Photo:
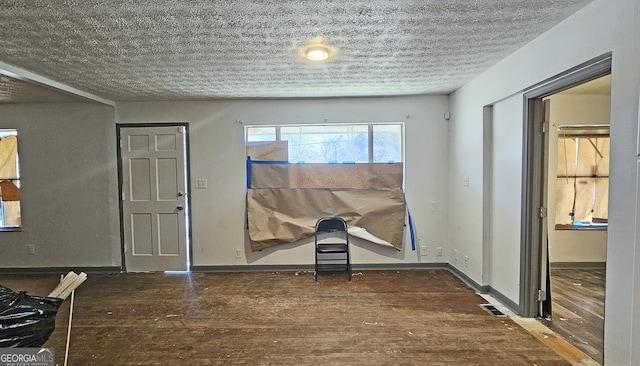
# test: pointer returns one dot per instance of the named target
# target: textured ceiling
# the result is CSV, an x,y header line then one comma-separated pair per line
x,y
201,49
18,91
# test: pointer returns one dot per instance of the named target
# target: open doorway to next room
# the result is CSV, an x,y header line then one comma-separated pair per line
x,y
577,202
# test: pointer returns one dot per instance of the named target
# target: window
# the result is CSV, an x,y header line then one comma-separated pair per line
x,y
582,186
387,143
299,173
10,217
344,143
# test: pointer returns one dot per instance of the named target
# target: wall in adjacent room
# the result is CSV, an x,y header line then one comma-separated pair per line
x,y
573,245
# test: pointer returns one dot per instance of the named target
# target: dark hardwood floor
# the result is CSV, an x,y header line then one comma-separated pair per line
x,y
578,308
413,317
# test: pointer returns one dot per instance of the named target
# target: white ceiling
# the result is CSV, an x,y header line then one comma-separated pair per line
x,y
130,50
18,91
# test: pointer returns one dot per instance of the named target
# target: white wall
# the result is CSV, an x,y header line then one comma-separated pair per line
x,y
595,30
70,201
506,193
217,153
69,192
573,245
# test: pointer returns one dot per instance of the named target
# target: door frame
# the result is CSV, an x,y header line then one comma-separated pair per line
x,y
188,213
532,175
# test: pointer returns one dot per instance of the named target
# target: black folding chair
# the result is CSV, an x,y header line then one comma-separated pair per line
x,y
332,246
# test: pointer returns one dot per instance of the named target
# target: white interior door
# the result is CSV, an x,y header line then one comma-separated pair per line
x,y
154,198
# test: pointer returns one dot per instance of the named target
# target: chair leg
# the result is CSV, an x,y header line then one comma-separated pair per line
x,y
315,272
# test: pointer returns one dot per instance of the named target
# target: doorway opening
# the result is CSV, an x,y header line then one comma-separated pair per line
x,y
577,207
566,197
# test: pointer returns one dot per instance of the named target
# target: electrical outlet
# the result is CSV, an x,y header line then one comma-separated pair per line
x,y
238,253
423,250
31,249
455,254
439,251
466,261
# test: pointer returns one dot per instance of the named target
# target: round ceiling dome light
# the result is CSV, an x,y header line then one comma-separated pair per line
x,y
317,53
317,50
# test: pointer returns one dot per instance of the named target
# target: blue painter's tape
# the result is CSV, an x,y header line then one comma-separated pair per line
x,y
269,162
411,231
248,172
250,162
413,239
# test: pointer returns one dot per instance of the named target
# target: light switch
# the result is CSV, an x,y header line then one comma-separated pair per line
x,y
201,183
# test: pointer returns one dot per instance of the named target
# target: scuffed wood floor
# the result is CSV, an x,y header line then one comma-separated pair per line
x,y
578,308
413,317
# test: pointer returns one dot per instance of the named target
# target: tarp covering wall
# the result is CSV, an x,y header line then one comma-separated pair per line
x,y
285,215
8,156
285,200
10,197
9,192
268,150
316,175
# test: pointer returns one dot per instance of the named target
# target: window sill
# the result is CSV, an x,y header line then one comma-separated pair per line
x,y
585,226
9,229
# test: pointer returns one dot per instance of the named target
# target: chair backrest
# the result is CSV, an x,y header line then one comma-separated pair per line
x,y
330,224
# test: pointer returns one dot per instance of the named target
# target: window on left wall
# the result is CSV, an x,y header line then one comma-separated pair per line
x,y
10,217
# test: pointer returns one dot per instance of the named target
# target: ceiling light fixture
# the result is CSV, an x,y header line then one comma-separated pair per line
x,y
317,50
317,53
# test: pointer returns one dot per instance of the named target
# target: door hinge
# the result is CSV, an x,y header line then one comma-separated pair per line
x,y
122,195
181,129
121,144
542,295
545,127
542,212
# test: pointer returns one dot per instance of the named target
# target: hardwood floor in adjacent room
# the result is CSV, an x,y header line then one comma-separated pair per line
x,y
412,317
577,297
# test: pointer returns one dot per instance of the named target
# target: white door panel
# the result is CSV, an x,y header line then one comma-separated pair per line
x,y
154,198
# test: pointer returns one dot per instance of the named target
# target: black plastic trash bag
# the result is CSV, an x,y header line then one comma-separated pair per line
x,y
26,321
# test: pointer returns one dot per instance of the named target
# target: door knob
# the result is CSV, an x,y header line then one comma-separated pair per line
x,y
180,207
180,194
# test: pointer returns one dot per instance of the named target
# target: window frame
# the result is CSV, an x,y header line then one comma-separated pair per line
x,y
573,132
5,132
370,135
